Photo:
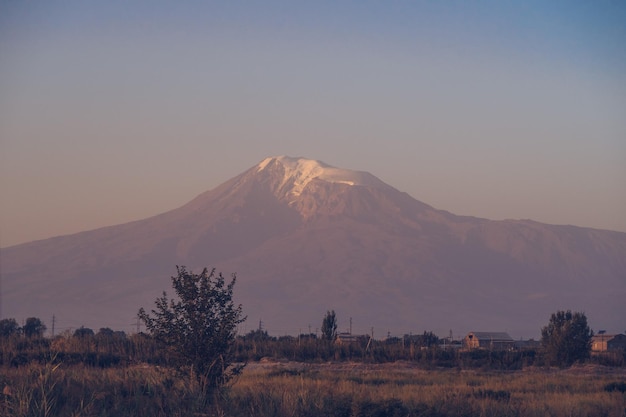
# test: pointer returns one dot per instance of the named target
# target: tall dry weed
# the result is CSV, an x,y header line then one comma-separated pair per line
x,y
340,390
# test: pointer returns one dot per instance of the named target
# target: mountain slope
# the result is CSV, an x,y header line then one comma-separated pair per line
x,y
305,237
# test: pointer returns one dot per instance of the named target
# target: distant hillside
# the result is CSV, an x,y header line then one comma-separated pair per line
x,y
304,237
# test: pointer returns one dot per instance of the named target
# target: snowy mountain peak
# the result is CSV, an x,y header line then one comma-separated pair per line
x,y
298,172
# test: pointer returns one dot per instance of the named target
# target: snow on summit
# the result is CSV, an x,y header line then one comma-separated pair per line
x,y
300,171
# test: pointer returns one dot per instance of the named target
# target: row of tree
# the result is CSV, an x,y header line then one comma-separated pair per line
x,y
107,348
565,340
33,327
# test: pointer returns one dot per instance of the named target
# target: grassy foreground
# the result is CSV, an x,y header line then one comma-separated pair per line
x,y
296,389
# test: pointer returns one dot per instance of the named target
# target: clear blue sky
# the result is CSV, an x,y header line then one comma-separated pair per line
x,y
113,111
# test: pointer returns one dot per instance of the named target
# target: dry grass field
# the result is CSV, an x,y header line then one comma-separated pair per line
x,y
399,389
327,389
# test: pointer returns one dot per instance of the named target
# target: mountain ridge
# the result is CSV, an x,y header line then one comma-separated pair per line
x,y
304,241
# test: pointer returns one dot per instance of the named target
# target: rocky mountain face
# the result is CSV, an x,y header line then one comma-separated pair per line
x,y
304,237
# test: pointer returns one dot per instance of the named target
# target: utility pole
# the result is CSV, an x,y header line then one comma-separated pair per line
x,y
350,325
369,342
54,319
137,324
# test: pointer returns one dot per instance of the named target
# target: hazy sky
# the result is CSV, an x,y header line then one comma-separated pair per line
x,y
112,111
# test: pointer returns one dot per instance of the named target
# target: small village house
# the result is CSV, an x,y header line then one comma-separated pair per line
x,y
603,342
489,340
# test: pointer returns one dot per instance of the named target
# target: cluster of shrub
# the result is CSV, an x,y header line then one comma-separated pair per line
x,y
107,348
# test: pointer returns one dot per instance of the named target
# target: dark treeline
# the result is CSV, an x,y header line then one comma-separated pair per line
x,y
425,349
107,348
104,349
